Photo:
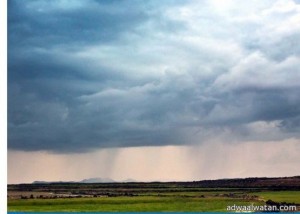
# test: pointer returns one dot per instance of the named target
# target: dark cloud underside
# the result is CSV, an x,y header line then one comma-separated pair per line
x,y
95,74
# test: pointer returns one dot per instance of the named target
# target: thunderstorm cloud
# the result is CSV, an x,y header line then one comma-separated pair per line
x,y
87,74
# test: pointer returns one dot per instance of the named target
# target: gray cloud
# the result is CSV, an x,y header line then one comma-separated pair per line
x,y
70,23
96,74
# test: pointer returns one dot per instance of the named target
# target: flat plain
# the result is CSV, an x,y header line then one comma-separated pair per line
x,y
154,196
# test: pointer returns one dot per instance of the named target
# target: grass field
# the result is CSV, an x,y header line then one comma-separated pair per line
x,y
140,203
281,196
129,197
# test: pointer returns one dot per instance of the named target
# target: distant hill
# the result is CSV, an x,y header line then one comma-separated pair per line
x,y
258,182
41,182
129,180
254,182
88,181
97,180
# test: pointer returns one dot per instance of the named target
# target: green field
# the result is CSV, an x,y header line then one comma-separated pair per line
x,y
176,196
281,196
139,203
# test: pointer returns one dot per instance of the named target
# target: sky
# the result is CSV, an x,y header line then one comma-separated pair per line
x,y
153,90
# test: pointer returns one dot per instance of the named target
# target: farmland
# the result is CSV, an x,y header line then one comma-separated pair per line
x,y
154,196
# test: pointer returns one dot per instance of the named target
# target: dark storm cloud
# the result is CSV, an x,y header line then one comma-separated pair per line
x,y
96,74
44,23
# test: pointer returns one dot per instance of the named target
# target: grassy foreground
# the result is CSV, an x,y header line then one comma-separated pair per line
x,y
209,195
281,196
139,203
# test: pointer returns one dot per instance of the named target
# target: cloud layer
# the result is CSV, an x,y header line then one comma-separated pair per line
x,y
95,74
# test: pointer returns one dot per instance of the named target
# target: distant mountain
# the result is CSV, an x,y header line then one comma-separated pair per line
x,y
129,180
97,180
88,181
41,182
106,180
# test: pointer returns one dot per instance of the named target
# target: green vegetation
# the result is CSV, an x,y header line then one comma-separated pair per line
x,y
280,196
138,203
155,196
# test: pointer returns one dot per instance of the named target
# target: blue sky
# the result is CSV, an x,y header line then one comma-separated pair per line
x,y
90,75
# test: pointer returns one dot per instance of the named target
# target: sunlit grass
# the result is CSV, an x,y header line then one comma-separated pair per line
x,y
280,196
138,203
